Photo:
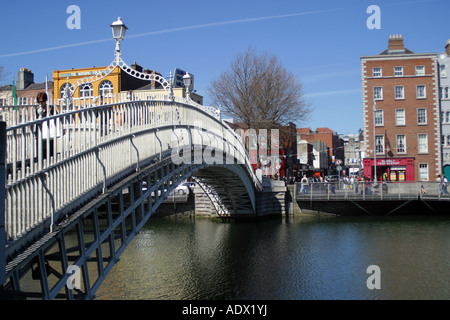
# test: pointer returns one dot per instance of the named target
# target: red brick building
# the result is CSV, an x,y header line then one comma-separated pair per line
x,y
27,90
326,135
403,85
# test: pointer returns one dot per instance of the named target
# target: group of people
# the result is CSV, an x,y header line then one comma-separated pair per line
x,y
355,183
442,185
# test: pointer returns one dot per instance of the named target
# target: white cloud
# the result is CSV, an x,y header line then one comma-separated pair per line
x,y
331,93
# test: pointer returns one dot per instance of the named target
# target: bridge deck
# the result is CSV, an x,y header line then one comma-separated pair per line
x,y
389,191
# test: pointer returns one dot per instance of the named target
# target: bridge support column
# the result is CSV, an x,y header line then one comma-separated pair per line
x,y
272,199
2,202
291,202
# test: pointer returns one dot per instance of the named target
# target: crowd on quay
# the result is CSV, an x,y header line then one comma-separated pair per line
x,y
354,183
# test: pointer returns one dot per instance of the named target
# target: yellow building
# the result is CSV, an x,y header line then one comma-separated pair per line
x,y
108,86
92,88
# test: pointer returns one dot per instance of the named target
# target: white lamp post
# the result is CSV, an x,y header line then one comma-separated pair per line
x,y
118,31
187,80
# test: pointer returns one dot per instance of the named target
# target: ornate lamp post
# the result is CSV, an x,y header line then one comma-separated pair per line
x,y
187,80
118,31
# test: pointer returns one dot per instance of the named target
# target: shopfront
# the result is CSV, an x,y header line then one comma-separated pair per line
x,y
392,169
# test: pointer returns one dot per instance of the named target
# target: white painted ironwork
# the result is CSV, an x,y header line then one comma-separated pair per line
x,y
363,190
54,160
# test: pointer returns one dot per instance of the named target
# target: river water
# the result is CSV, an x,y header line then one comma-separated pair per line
x,y
285,259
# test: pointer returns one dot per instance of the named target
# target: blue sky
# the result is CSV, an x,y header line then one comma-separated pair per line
x,y
320,41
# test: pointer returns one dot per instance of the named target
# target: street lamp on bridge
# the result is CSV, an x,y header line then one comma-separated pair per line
x,y
118,31
187,80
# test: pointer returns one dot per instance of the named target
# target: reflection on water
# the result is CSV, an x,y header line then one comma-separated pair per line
x,y
299,258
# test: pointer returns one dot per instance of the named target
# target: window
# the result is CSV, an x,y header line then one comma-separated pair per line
x,y
423,172
442,70
420,70
378,93
448,140
22,101
421,92
401,143
2,102
421,116
423,143
447,116
443,93
399,92
400,117
86,90
379,144
106,89
379,118
398,71
377,72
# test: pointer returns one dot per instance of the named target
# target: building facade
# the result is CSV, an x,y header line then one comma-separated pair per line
x,y
353,153
401,114
444,96
334,146
26,89
117,84
108,86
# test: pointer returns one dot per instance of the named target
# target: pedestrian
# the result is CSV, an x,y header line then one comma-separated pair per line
x,y
444,185
304,183
438,180
44,111
423,190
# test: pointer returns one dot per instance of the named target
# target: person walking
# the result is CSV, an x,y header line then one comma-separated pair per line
x,y
444,184
42,112
304,184
439,180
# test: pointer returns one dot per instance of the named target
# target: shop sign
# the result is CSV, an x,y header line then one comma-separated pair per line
x,y
388,162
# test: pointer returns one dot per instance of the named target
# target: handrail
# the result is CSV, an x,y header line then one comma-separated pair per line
x,y
52,161
363,190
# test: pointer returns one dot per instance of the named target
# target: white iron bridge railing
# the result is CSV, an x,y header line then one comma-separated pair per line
x,y
55,160
359,190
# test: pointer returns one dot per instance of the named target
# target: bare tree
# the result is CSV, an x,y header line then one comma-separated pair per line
x,y
260,92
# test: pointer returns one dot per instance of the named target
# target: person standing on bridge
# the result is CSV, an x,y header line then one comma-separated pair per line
x,y
439,181
445,185
304,182
45,111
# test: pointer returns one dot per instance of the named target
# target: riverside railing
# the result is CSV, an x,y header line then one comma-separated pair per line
x,y
56,161
408,190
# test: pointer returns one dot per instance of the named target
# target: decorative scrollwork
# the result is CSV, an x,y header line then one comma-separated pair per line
x,y
118,62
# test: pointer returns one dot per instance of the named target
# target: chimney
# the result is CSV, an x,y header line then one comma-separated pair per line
x,y
396,43
136,67
24,78
447,48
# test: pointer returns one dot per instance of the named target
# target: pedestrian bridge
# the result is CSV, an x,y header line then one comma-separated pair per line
x,y
373,199
80,185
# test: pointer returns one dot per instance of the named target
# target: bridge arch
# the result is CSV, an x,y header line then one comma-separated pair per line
x,y
122,146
